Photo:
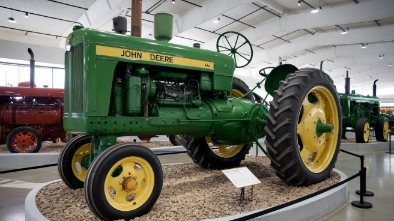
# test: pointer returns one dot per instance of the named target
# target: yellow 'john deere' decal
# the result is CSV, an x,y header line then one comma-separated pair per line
x,y
149,56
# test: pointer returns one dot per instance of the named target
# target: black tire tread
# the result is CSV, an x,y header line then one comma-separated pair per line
x,y
360,130
379,130
14,131
201,154
281,142
64,161
93,195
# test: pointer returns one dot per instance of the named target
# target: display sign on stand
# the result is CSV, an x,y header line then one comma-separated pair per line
x,y
241,177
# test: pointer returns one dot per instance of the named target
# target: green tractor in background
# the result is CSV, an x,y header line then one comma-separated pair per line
x,y
119,85
361,113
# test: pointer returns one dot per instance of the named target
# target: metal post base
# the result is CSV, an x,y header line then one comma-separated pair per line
x,y
367,193
364,205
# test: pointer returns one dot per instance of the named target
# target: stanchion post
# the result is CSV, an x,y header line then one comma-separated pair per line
x,y
390,133
363,185
362,204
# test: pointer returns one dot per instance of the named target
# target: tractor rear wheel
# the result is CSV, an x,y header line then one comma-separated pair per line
x,y
70,160
123,182
304,127
362,130
177,140
23,140
382,130
208,154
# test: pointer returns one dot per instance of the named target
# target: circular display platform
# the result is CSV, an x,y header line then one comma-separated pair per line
x,y
309,209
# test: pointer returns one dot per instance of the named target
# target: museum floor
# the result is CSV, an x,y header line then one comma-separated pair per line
x,y
14,187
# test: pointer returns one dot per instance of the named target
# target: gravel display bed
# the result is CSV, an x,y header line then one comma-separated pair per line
x,y
189,193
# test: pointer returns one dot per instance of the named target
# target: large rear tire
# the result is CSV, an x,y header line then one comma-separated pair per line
x,y
304,128
382,130
123,182
70,160
208,154
362,130
23,140
178,140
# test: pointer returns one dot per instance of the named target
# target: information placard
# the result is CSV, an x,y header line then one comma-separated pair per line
x,y
241,177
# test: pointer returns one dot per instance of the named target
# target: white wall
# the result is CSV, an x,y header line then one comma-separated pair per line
x,y
18,51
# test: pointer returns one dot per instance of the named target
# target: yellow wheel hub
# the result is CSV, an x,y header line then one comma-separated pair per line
x,y
386,130
317,129
224,151
366,131
78,170
129,183
237,93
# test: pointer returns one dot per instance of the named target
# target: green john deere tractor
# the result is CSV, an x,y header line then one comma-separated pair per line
x,y
120,85
361,113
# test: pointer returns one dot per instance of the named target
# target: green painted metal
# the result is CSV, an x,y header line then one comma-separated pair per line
x,y
163,26
355,106
118,97
278,74
123,85
322,128
133,95
236,48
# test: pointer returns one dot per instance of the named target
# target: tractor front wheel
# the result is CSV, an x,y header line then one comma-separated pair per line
x,y
23,140
362,130
123,182
70,163
304,128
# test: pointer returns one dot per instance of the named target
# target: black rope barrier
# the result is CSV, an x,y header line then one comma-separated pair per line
x,y
390,134
28,168
362,192
363,183
360,204
55,164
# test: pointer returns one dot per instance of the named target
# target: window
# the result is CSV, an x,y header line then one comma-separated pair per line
x,y
11,74
58,78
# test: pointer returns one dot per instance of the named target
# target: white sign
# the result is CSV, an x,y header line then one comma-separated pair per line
x,y
241,177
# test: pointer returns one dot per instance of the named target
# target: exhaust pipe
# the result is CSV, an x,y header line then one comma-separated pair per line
x,y
374,88
136,18
31,67
347,83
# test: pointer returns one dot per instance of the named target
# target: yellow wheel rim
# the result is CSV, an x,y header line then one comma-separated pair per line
x,y
224,151
129,183
318,129
366,131
78,170
386,130
237,93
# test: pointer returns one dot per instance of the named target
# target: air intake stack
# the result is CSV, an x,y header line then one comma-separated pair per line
x,y
347,83
163,27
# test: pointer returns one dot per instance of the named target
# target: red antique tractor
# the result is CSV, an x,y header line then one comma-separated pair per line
x,y
29,115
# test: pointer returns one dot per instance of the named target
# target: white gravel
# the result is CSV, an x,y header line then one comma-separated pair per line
x,y
189,193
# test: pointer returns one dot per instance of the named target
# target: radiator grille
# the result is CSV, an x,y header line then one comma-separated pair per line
x,y
77,78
